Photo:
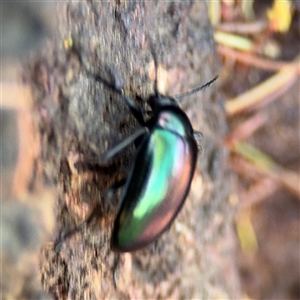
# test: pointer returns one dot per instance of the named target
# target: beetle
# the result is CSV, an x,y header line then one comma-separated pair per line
x,y
160,177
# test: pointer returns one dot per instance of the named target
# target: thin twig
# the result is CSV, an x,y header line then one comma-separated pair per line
x,y
243,28
267,166
252,60
258,192
271,89
246,129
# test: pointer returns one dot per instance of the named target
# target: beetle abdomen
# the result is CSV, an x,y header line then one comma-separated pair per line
x,y
156,189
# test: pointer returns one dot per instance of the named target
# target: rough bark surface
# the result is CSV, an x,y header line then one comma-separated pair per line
x,y
79,119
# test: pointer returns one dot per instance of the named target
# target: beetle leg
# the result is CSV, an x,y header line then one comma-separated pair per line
x,y
138,141
135,109
58,244
198,137
124,143
115,266
199,148
80,227
108,195
113,189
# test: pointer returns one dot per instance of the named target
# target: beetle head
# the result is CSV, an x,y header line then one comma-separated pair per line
x,y
159,101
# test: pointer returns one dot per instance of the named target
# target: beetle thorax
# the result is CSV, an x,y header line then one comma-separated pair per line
x,y
172,121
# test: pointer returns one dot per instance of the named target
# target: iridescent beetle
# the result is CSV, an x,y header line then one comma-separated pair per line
x,y
160,177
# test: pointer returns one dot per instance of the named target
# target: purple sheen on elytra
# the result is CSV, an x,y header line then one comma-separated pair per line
x,y
149,205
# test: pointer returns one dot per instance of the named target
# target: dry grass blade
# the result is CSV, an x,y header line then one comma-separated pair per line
x,y
233,40
244,28
267,166
263,188
279,82
246,129
246,232
252,60
258,192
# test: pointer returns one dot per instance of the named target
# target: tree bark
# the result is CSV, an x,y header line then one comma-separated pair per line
x,y
78,119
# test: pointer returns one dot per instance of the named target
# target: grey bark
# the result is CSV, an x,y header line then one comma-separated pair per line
x,y
79,119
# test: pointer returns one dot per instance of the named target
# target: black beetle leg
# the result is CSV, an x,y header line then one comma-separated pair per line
x,y
116,263
199,148
124,143
108,195
135,109
82,226
198,137
113,189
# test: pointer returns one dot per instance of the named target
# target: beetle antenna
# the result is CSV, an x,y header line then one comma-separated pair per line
x,y
108,84
97,77
156,68
198,89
